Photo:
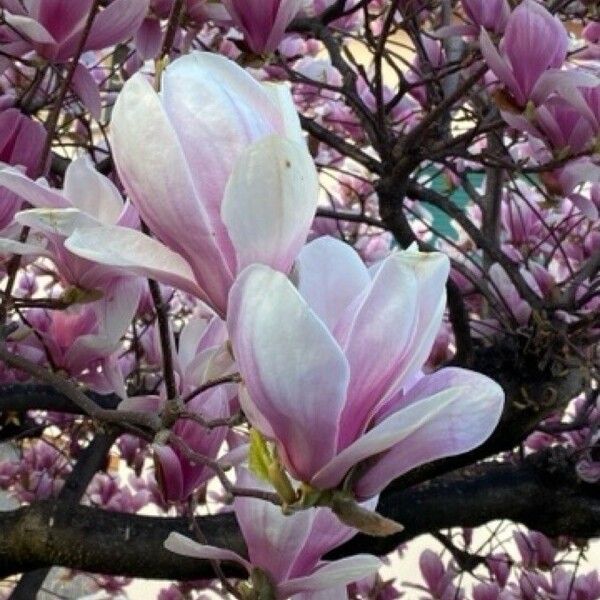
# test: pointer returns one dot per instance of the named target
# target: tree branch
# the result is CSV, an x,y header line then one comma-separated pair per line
x,y
91,460
542,492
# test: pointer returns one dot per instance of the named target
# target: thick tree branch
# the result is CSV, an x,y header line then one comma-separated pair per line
x,y
20,397
91,460
542,493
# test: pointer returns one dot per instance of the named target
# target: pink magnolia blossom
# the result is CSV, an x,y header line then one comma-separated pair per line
x,y
200,358
53,28
83,340
536,550
489,14
534,42
331,370
591,34
288,549
263,21
111,493
565,125
87,199
439,577
37,474
21,143
217,166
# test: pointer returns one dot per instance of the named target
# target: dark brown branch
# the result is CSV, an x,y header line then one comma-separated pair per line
x,y
19,397
541,493
91,460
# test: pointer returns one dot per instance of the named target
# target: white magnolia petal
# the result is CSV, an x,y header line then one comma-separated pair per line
x,y
281,96
133,252
156,174
461,425
37,193
8,246
330,275
92,193
270,202
382,321
58,221
333,574
273,539
180,544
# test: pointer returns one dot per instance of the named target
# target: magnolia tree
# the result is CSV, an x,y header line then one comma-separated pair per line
x,y
289,283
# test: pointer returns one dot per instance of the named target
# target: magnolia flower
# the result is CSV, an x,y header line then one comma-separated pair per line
x,y
434,59
565,125
331,370
218,169
53,29
568,124
263,21
489,14
200,357
21,143
534,42
536,550
87,199
285,552
91,199
83,341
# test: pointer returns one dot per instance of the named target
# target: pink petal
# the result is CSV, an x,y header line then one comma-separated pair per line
x,y
263,21
273,539
216,110
534,41
499,66
148,39
182,545
91,192
116,23
157,177
168,472
293,369
35,192
330,275
327,532
466,409
134,252
86,88
381,322
333,574
30,28
567,84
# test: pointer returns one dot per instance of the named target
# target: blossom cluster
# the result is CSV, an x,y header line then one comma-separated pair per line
x,y
215,219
